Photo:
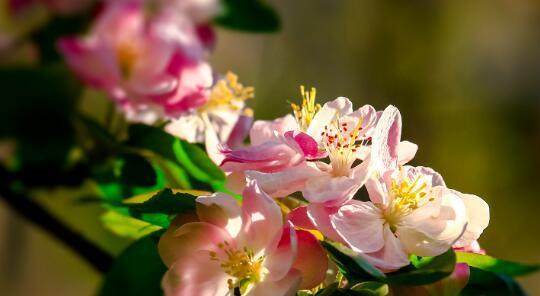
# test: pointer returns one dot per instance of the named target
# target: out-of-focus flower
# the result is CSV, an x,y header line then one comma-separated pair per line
x,y
410,212
150,66
224,119
233,249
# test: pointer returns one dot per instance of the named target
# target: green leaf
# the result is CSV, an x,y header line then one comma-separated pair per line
x,y
425,270
189,156
489,263
137,171
372,288
352,265
422,271
137,271
165,202
248,15
483,282
196,162
126,226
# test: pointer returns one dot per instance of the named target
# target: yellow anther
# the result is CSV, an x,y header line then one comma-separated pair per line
x,y
304,114
408,195
228,93
242,265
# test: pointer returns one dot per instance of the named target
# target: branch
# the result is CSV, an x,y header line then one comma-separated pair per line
x,y
40,217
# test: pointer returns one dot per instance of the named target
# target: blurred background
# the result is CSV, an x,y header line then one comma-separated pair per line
x,y
465,75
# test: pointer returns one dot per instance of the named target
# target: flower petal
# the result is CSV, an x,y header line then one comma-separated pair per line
x,y
280,260
392,256
195,274
320,217
330,190
406,152
477,218
262,220
268,157
386,138
338,107
287,181
264,131
311,260
299,218
190,237
221,210
360,224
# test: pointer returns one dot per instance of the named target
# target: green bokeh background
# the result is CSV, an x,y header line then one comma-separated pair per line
x,y
465,75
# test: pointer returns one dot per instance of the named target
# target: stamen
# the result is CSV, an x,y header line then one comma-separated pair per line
x,y
342,144
304,114
229,93
241,265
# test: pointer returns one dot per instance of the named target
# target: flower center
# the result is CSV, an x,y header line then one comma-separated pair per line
x,y
304,114
126,55
229,93
408,195
342,140
241,265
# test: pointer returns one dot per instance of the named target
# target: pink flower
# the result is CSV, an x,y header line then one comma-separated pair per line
x,y
410,212
223,120
246,249
150,65
283,166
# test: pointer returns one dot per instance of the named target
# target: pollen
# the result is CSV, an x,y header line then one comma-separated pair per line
x,y
304,114
408,195
241,264
342,140
229,93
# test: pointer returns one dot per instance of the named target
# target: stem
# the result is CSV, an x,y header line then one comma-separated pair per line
x,y
39,216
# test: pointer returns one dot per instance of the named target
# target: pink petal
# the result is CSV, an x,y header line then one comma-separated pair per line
x,y
311,260
299,218
386,138
330,190
280,260
320,217
269,157
262,220
338,107
221,210
287,181
207,36
195,274
392,256
406,152
360,224
183,241
92,62
264,131
308,145
240,131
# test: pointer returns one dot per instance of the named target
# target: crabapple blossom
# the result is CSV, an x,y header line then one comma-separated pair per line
x,y
151,66
410,212
244,249
223,119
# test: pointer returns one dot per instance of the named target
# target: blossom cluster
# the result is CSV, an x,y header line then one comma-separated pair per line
x,y
150,57
329,154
